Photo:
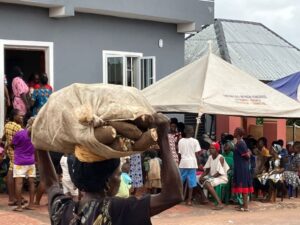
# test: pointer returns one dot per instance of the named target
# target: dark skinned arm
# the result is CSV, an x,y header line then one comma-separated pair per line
x,y
246,155
25,100
206,172
46,168
171,193
7,96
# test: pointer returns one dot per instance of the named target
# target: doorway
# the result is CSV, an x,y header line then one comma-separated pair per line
x,y
30,56
30,62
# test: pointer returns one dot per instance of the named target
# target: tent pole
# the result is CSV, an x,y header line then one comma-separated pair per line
x,y
294,132
198,121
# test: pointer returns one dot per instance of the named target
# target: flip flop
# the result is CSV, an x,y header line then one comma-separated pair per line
x,y
243,210
28,208
12,203
18,210
24,201
16,203
218,207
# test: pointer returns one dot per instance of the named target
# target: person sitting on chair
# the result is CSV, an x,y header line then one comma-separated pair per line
x,y
215,173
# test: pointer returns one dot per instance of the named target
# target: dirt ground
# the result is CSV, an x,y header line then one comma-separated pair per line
x,y
286,212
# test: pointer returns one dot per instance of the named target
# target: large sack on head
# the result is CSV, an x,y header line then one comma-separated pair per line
x,y
70,117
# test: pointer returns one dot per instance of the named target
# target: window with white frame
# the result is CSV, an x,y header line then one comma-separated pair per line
x,y
147,71
128,69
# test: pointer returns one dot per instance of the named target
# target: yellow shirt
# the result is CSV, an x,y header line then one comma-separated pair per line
x,y
265,152
124,187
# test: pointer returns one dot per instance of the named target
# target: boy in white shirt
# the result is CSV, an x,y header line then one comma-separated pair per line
x,y
187,148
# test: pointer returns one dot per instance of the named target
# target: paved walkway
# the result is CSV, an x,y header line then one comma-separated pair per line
x,y
286,212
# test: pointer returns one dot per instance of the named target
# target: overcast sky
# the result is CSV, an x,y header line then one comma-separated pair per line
x,y
281,16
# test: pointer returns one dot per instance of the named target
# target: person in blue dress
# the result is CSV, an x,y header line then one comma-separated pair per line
x,y
40,96
242,180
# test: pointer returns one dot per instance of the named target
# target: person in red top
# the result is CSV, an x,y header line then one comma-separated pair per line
x,y
47,86
34,81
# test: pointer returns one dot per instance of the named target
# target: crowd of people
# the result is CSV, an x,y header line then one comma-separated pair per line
x,y
23,100
235,169
27,96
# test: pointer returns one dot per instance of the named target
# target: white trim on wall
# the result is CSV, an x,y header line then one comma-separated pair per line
x,y
25,45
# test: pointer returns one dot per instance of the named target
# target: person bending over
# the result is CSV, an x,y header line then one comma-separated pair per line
x,y
100,181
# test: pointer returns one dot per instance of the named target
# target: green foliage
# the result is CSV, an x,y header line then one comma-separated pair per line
x,y
290,122
259,121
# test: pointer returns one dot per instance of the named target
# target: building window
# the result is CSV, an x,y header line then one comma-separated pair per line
x,y
128,69
115,70
147,71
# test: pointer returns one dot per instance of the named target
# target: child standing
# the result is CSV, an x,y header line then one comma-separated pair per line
x,y
153,182
187,148
11,128
24,166
126,181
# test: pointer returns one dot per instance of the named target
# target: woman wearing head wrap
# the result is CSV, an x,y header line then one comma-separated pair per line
x,y
228,153
101,180
215,172
228,156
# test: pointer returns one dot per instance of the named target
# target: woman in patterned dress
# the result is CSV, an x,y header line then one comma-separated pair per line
x,y
291,175
136,172
40,96
20,92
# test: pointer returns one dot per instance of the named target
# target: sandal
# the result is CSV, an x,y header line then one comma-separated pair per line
x,y
24,201
243,209
28,208
15,203
218,207
189,204
18,209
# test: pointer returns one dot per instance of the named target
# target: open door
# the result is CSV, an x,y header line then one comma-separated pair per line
x,y
30,56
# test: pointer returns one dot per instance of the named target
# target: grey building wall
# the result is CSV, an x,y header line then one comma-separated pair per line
x,y
197,12
79,40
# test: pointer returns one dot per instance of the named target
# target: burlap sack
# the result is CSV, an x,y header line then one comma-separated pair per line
x,y
70,115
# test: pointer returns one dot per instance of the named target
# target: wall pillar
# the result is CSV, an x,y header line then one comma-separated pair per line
x,y
248,122
274,130
227,124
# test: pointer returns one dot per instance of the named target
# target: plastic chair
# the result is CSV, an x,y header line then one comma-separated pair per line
x,y
224,191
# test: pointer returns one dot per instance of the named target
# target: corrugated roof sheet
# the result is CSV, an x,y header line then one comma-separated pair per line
x,y
196,46
251,47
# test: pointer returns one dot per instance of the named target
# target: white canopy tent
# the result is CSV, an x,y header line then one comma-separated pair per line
x,y
211,85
